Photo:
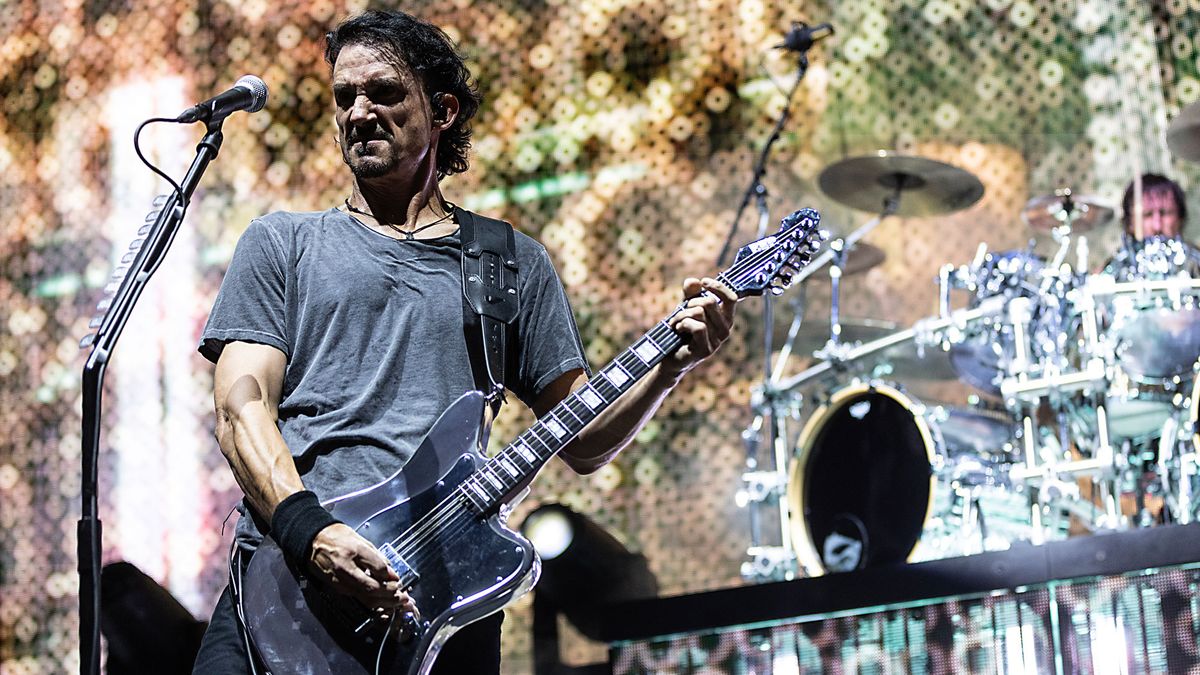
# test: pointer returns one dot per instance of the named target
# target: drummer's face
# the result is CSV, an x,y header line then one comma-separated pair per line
x,y
1160,214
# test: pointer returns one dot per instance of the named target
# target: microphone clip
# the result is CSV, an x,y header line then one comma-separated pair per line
x,y
802,37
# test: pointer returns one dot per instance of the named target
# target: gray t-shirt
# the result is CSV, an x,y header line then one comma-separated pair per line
x,y
372,329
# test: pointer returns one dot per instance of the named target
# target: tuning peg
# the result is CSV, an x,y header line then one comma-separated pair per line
x,y
96,321
87,340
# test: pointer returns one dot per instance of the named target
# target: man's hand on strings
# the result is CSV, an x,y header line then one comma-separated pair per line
x,y
704,322
351,565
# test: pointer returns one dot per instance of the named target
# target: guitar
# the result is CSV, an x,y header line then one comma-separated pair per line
x,y
441,522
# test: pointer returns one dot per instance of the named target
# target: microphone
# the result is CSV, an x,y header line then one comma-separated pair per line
x,y
249,94
802,36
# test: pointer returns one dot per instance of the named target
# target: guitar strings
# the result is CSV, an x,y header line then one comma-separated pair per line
x,y
444,515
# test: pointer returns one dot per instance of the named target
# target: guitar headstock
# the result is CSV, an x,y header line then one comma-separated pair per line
x,y
770,263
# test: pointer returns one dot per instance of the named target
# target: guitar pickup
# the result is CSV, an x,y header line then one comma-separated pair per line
x,y
408,576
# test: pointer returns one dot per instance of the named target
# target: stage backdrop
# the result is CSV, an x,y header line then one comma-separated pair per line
x,y
618,132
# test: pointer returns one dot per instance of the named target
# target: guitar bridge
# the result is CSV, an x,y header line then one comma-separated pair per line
x,y
408,576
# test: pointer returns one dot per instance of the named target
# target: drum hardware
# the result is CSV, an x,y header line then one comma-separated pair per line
x,y
835,285
1182,499
925,330
1093,373
769,562
1050,473
1028,357
762,487
932,187
1178,461
758,486
862,257
836,255
1035,381
763,481
1173,289
895,185
1022,389
982,356
1151,335
814,335
1063,209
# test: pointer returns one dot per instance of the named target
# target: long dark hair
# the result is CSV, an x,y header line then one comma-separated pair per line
x,y
432,56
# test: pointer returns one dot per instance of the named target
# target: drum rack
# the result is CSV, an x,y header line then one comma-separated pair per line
x,y
1090,374
1049,472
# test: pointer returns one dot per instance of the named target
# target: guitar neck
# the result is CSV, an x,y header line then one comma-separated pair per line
x,y
516,464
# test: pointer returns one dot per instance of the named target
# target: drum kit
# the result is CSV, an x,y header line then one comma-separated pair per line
x,y
1083,405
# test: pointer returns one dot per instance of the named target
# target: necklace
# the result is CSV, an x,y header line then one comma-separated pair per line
x,y
408,235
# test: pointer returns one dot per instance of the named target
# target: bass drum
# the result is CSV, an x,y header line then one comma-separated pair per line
x,y
874,475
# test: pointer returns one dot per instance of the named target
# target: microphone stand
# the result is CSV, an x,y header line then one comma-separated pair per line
x,y
147,260
768,562
756,186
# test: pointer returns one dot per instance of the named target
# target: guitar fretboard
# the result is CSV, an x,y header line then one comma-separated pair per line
x,y
518,462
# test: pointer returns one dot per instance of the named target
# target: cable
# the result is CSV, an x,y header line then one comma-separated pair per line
x,y
138,149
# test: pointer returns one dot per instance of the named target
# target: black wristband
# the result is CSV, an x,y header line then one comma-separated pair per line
x,y
297,521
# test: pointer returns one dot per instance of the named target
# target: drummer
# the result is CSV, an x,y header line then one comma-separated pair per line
x,y
1164,208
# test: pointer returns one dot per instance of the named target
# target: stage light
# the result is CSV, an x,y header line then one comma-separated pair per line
x,y
550,531
583,566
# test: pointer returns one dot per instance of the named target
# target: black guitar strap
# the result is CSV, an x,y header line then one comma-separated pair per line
x,y
492,295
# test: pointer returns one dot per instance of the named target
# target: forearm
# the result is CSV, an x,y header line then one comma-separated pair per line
x,y
616,427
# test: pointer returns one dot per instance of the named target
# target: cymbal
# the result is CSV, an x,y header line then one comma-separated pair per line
x,y
1046,212
907,361
1183,133
814,334
926,187
861,258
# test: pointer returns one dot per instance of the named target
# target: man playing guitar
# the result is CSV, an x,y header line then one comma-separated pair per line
x,y
338,335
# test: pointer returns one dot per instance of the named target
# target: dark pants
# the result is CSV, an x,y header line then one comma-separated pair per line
x,y
474,649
